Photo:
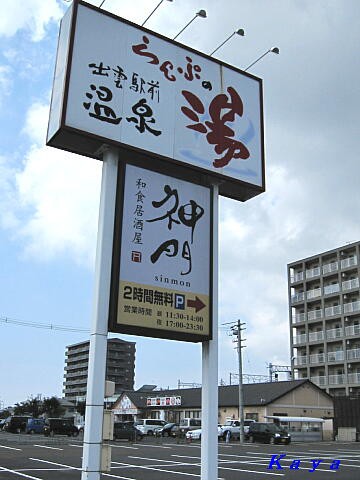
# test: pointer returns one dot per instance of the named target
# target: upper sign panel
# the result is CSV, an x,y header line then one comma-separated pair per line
x,y
119,83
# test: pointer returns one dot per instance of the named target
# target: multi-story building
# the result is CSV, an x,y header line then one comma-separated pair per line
x,y
120,367
324,313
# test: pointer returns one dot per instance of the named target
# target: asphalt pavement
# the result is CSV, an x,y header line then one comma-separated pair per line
x,y
59,458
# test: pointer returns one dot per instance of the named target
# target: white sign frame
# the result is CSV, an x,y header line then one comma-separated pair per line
x,y
183,120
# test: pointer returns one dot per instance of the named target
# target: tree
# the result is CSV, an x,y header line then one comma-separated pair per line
x,y
80,407
52,407
21,408
5,413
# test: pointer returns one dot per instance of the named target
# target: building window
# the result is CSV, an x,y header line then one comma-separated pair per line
x,y
252,416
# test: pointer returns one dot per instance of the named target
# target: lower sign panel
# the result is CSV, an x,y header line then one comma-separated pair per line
x,y
161,264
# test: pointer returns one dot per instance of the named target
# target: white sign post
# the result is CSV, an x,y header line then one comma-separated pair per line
x,y
93,437
209,393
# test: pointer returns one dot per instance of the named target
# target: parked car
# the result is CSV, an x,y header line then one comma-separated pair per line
x,y
16,423
196,434
169,430
80,427
126,431
232,428
60,426
35,425
147,426
268,433
187,424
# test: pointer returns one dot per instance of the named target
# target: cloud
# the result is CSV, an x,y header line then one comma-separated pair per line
x,y
50,203
32,15
5,81
8,218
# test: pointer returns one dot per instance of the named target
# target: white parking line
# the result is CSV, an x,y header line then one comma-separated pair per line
x,y
116,476
50,448
54,463
159,470
152,446
159,460
11,448
234,461
3,469
124,446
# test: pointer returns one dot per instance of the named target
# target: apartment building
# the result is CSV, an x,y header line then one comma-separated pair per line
x,y
324,314
120,367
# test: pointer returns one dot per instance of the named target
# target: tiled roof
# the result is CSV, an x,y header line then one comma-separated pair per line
x,y
254,394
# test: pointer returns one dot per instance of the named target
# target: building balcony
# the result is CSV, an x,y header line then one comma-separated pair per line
x,y
337,379
76,375
352,330
314,314
297,277
317,358
76,366
320,381
302,338
298,318
298,297
352,307
354,378
330,289
334,333
336,356
353,354
315,293
301,360
312,272
78,350
330,267
350,284
334,310
349,262
316,336
81,382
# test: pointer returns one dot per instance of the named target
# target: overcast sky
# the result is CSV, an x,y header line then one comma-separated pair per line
x,y
49,199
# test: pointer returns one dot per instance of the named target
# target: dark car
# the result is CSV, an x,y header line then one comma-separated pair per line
x,y
168,430
16,423
126,431
35,425
268,433
60,426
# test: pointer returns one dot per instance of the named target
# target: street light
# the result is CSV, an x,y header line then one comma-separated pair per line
x,y
200,13
272,50
157,6
240,32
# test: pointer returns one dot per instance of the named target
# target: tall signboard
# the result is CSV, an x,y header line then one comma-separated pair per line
x,y
161,259
175,128
120,84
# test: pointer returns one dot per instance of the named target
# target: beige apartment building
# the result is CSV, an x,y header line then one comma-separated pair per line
x,y
324,314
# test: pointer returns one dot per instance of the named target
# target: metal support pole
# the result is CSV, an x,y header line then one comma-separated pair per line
x,y
209,417
91,465
241,391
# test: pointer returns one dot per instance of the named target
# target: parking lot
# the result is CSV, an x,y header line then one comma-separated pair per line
x,y
39,458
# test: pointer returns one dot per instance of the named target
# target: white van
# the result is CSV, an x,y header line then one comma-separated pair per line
x,y
147,426
187,424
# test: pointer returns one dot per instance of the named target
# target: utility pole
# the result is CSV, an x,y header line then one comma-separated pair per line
x,y
236,330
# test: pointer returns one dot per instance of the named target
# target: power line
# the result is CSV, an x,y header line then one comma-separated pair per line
x,y
63,328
